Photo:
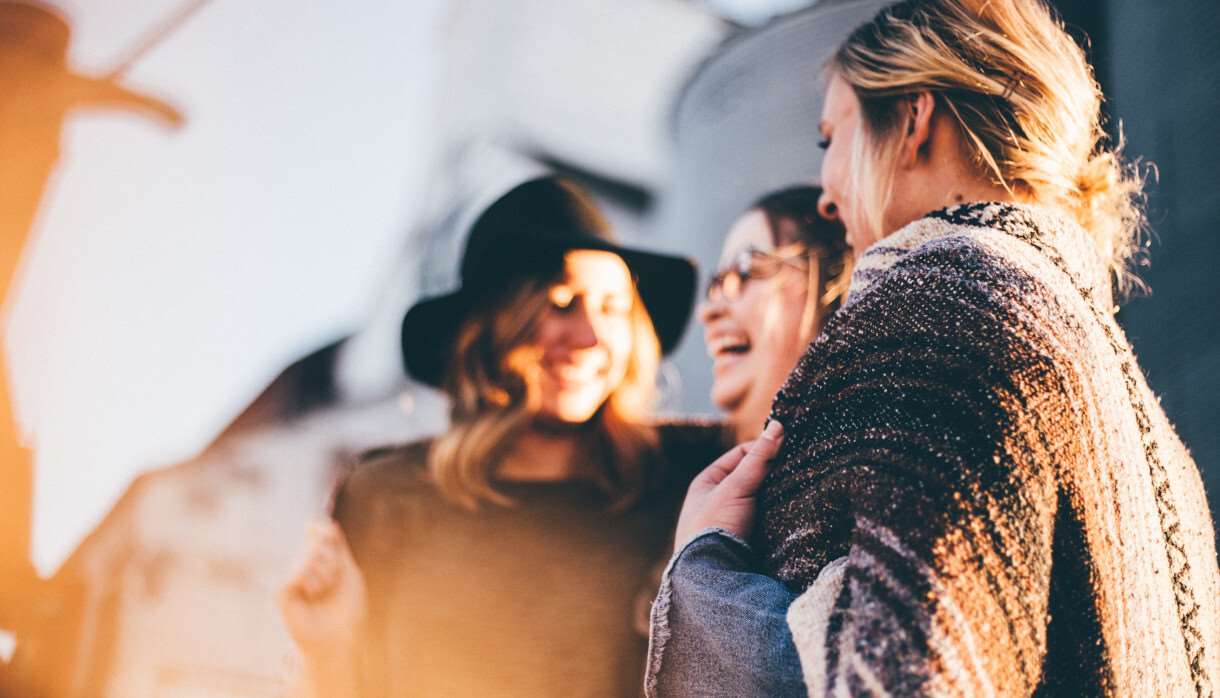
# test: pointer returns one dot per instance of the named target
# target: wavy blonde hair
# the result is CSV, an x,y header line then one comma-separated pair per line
x,y
493,388
1024,98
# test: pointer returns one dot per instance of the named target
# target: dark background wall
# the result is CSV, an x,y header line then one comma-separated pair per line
x,y
1159,63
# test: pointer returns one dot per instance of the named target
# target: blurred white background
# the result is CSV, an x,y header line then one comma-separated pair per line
x,y
172,274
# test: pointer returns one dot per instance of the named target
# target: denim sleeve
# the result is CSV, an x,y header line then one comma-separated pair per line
x,y
718,628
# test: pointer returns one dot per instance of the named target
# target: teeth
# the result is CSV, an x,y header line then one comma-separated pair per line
x,y
720,345
575,373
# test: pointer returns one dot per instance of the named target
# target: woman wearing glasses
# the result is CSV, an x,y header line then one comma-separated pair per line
x,y
783,271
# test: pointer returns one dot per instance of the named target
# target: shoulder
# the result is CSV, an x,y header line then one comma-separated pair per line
x,y
388,471
989,255
386,498
959,287
965,301
929,259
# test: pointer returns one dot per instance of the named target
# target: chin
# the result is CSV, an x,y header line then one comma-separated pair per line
x,y
727,395
728,406
573,411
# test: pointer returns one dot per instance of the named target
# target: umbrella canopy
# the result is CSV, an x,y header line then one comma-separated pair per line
x,y
172,275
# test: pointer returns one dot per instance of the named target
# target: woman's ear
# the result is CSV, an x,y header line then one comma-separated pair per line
x,y
919,108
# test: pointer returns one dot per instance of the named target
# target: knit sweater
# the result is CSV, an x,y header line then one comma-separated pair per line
x,y
978,494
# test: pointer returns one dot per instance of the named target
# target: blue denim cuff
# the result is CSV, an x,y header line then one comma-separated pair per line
x,y
716,540
659,631
718,625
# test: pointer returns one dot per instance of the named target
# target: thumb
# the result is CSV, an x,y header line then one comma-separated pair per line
x,y
749,473
720,468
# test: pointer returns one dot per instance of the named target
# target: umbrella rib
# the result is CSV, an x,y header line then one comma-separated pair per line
x,y
155,36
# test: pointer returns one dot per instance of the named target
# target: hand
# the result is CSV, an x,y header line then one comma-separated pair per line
x,y
323,603
722,496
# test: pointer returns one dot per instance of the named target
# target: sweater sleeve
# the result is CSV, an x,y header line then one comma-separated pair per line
x,y
914,501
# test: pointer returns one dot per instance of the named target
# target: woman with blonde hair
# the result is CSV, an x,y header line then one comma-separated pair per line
x,y
508,555
973,490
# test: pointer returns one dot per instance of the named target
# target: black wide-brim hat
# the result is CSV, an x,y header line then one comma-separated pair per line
x,y
525,234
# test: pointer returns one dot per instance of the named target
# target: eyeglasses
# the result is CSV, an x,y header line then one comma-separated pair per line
x,y
729,283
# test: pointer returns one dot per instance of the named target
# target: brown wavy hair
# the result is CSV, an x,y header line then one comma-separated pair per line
x,y
1025,101
492,386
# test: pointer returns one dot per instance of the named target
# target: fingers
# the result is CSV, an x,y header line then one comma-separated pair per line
x,y
723,494
720,468
323,564
319,574
752,468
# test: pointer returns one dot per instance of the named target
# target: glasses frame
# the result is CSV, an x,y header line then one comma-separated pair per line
x,y
729,283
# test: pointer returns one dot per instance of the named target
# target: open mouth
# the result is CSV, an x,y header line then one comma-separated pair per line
x,y
728,345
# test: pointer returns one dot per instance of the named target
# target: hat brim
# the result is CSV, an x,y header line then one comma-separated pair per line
x,y
666,285
429,330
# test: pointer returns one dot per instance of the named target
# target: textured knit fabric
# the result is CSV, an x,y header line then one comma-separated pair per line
x,y
978,494
545,598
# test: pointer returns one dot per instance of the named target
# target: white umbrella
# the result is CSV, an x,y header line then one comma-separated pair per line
x,y
171,275
174,275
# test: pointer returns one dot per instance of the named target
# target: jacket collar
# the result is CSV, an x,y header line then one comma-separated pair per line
x,y
1054,237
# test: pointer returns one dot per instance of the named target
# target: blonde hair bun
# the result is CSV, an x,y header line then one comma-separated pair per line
x,y
1024,97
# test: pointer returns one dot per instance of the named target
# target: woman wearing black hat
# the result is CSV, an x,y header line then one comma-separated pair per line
x,y
509,555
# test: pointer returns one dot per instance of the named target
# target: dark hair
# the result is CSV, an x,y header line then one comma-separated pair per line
x,y
793,218
792,215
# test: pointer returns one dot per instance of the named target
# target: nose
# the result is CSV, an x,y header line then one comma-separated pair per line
x,y
710,310
581,332
826,206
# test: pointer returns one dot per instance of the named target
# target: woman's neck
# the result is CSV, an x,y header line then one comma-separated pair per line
x,y
943,174
969,192
542,456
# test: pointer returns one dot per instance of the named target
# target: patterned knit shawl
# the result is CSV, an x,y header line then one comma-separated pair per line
x,y
978,494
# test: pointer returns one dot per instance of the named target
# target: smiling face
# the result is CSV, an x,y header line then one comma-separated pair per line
x,y
584,338
756,339
841,127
